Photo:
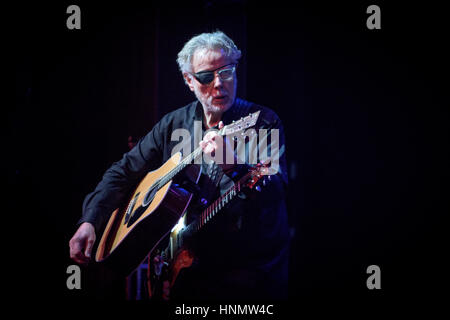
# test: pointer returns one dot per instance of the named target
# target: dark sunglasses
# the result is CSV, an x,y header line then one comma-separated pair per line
x,y
206,77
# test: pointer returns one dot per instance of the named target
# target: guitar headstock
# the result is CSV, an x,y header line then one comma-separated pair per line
x,y
242,124
261,171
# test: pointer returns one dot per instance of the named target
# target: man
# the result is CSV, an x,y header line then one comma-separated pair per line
x,y
243,254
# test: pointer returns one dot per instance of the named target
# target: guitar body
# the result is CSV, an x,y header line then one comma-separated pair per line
x,y
151,211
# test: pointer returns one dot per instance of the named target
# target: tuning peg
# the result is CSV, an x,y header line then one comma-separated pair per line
x,y
258,188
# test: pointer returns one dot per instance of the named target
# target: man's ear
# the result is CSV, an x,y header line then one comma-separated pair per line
x,y
188,79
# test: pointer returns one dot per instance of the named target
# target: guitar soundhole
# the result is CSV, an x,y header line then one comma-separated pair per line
x,y
136,214
149,196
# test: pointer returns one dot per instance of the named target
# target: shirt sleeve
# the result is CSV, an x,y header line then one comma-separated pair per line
x,y
121,177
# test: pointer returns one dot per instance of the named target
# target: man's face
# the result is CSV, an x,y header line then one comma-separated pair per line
x,y
217,96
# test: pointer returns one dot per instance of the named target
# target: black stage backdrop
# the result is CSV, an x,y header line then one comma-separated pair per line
x,y
364,113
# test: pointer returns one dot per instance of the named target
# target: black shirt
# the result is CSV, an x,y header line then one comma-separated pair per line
x,y
243,253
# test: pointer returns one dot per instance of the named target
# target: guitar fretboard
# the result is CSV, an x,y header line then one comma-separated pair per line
x,y
216,206
208,213
172,173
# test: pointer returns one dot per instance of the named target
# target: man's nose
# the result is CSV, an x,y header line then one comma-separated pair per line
x,y
217,81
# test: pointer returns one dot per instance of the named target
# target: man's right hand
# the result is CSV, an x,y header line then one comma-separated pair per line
x,y
82,242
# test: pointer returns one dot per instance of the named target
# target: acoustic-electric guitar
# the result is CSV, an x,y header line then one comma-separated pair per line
x,y
153,209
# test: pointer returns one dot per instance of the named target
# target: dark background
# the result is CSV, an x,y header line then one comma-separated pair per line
x,y
364,114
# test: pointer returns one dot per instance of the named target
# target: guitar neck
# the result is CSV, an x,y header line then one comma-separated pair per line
x,y
232,128
172,173
208,213
186,161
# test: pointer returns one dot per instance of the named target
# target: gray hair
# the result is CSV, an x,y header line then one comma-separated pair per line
x,y
214,40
